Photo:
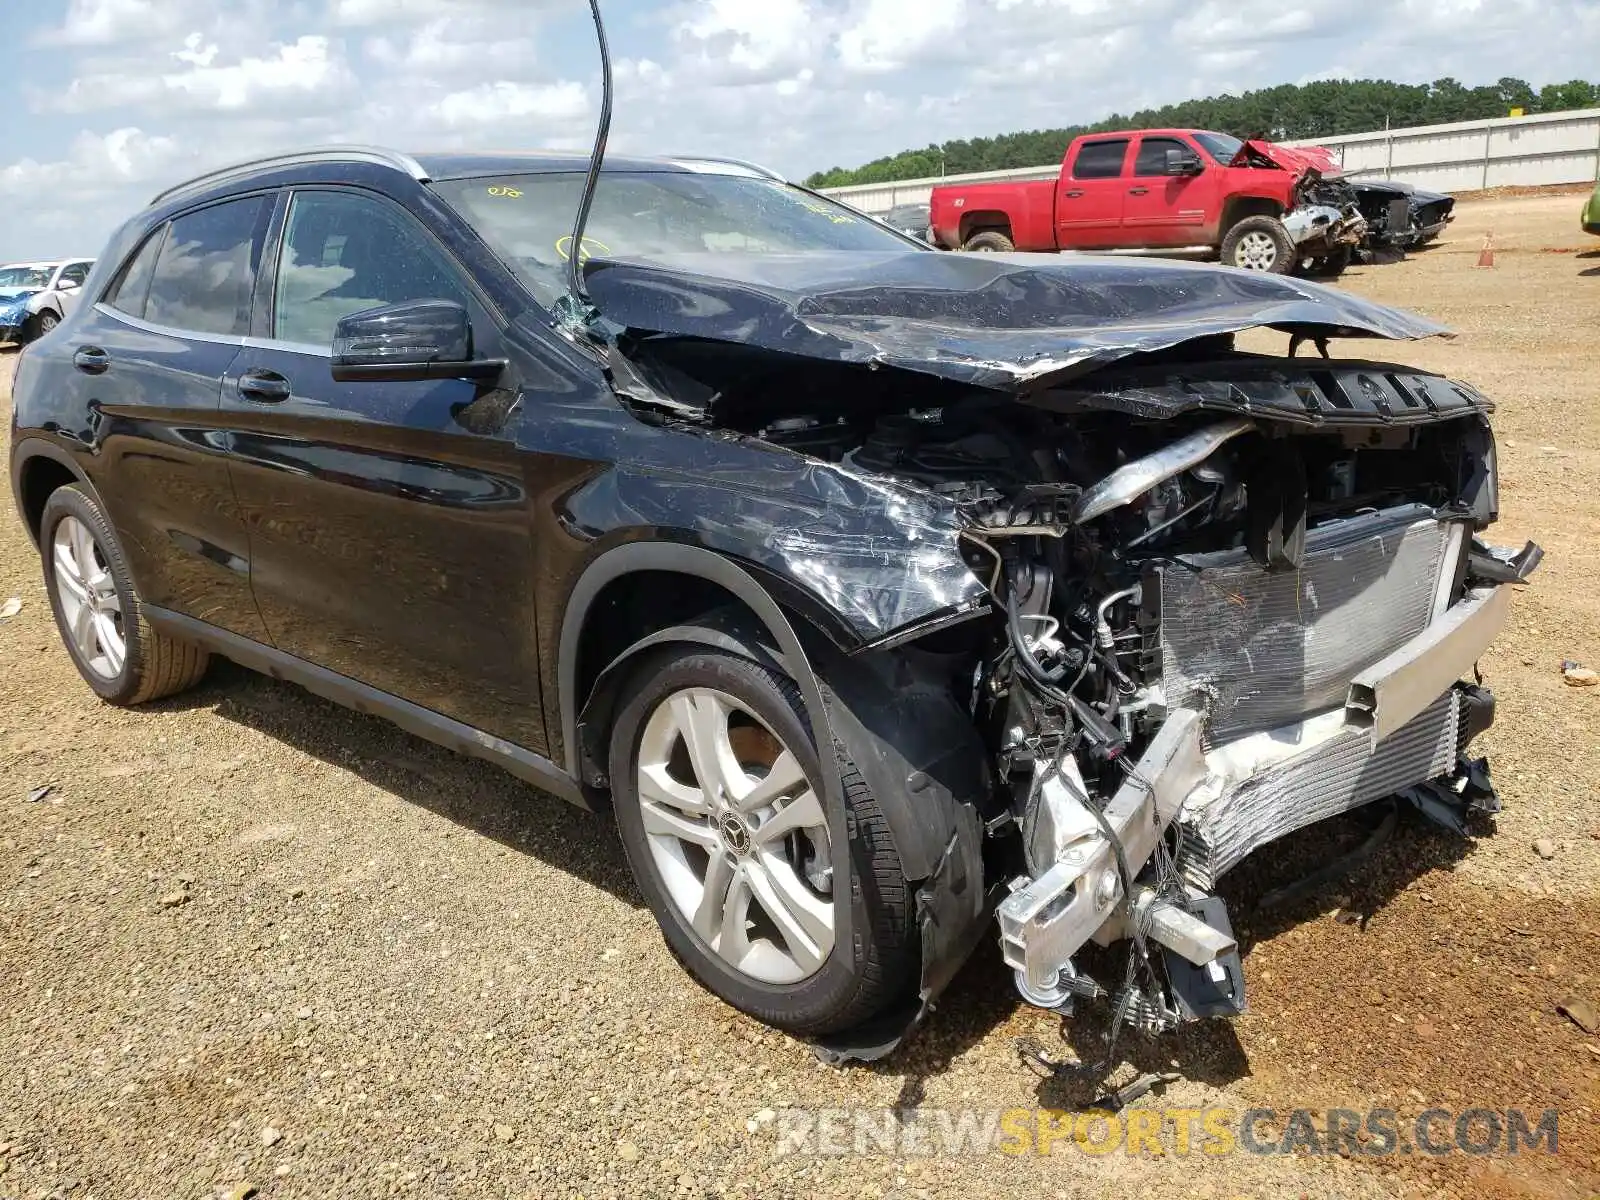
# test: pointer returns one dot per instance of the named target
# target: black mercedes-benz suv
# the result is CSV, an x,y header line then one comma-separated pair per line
x,y
881,593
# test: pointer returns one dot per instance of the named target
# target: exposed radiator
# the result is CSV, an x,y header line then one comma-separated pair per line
x,y
1330,778
1256,650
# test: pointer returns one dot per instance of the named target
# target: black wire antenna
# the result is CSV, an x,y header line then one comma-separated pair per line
x,y
575,284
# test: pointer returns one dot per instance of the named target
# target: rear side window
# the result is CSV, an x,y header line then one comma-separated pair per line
x,y
1100,160
128,293
207,268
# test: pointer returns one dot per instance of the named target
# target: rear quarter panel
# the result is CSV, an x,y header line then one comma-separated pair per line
x,y
1027,208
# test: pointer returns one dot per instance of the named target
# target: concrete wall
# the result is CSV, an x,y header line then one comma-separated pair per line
x,y
1461,157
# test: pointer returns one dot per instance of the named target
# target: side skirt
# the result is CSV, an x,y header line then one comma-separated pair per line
x,y
351,693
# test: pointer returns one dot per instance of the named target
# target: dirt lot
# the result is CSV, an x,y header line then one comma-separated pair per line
x,y
394,972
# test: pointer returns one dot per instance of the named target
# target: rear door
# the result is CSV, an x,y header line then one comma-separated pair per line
x,y
389,543
1166,210
1089,202
147,362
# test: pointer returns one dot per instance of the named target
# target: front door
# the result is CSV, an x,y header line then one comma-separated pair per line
x,y
389,543
1166,210
1090,196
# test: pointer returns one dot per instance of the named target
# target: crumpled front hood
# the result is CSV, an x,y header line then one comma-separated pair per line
x,y
1013,322
7,295
1299,159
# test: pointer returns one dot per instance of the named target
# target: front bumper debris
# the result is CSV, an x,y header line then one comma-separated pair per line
x,y
1401,732
1321,229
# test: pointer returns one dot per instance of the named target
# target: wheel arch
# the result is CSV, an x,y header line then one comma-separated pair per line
x,y
701,581
983,220
38,469
1237,208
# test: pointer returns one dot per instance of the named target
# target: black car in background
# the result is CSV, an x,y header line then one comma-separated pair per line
x,y
1401,215
913,220
880,593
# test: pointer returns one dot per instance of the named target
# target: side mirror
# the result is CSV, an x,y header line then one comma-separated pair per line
x,y
1184,162
414,340
68,285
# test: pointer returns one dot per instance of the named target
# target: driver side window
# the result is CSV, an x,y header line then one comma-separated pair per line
x,y
343,253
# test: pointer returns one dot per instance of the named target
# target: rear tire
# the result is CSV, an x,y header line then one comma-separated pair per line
x,y
990,241
98,611
712,877
1259,244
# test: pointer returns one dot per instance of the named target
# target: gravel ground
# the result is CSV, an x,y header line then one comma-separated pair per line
x,y
252,941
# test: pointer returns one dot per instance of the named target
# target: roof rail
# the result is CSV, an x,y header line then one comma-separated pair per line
x,y
375,155
717,160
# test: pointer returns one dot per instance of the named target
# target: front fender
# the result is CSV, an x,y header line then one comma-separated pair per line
x,y
44,302
861,555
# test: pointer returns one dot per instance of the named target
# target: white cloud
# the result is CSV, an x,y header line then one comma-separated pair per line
x,y
106,22
125,94
309,69
735,40
893,33
95,165
492,103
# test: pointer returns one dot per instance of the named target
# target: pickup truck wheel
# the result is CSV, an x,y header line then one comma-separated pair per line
x,y
716,784
1259,244
989,242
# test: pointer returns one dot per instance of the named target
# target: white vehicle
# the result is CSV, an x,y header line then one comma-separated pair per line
x,y
35,296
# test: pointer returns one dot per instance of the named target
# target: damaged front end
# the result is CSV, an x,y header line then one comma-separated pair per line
x,y
1212,597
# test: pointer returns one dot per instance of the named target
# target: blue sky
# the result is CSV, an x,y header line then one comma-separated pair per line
x,y
109,100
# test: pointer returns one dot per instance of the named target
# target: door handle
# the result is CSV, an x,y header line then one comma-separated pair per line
x,y
91,360
1074,193
1138,191
264,387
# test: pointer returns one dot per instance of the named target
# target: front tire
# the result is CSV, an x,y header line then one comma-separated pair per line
x,y
98,611
719,797
1259,244
40,324
1330,266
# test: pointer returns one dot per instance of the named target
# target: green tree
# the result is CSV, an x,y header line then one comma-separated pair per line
x,y
1322,108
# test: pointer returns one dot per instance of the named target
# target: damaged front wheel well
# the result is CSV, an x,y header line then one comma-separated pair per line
x,y
1240,207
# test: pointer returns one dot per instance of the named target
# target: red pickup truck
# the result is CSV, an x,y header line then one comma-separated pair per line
x,y
1253,204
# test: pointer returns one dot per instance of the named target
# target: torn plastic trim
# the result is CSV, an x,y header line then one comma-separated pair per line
x,y
1009,322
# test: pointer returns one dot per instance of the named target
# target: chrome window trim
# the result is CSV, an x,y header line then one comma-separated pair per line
x,y
192,335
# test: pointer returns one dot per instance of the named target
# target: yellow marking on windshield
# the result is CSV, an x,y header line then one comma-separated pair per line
x,y
588,250
823,210
501,190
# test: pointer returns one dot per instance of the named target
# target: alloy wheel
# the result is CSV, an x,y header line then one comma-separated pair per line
x,y
1255,252
91,609
738,835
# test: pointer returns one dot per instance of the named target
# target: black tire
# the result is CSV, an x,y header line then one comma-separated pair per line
x,y
40,324
153,665
990,241
1244,238
1330,266
857,980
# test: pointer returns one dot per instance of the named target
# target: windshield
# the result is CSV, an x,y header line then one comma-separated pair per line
x,y
527,219
1223,147
25,277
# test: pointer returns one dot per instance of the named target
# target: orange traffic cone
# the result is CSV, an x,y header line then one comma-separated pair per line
x,y
1486,255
